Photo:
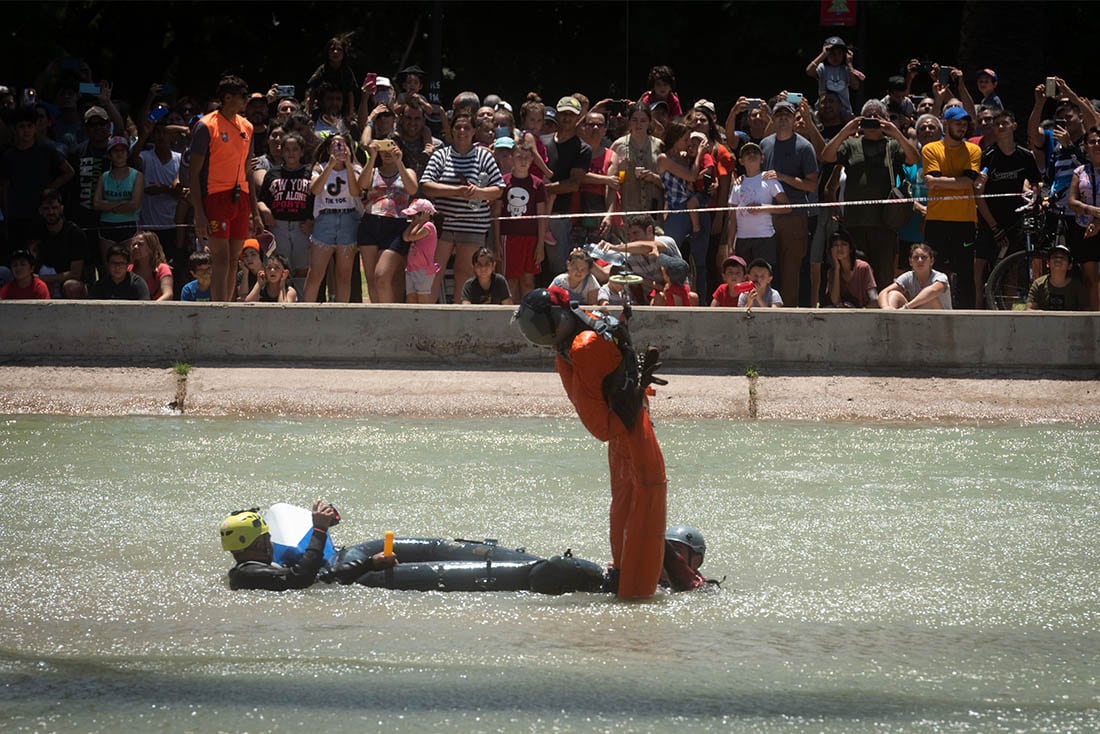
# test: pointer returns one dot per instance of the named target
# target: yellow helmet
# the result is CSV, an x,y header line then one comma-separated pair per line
x,y
241,529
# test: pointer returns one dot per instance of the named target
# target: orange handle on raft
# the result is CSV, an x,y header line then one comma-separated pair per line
x,y
387,544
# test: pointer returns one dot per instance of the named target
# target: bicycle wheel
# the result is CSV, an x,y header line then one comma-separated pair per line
x,y
1008,284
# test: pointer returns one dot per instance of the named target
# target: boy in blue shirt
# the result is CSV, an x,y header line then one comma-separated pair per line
x,y
202,268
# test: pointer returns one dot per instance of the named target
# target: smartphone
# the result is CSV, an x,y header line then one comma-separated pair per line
x,y
945,76
370,78
794,98
926,67
1052,87
744,286
754,102
158,113
385,144
284,90
30,97
89,88
868,123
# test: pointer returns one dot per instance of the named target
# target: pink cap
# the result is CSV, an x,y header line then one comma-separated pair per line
x,y
417,206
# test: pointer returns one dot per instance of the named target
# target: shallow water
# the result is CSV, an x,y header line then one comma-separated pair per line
x,y
885,578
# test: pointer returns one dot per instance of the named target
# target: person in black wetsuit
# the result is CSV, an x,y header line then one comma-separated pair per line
x,y
245,534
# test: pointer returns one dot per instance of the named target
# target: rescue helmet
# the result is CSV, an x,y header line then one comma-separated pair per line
x,y
538,318
689,536
241,529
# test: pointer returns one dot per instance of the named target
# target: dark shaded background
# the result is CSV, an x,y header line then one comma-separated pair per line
x,y
719,50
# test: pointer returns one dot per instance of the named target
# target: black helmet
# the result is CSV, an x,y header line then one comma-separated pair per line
x,y
539,318
689,536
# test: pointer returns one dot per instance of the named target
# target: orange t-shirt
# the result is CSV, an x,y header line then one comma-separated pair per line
x,y
227,152
943,161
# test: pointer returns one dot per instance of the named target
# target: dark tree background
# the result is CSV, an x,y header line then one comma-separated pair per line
x,y
718,49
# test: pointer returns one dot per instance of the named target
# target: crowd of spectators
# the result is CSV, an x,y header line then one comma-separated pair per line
x,y
365,190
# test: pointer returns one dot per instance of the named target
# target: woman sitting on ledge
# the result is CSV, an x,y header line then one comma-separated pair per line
x,y
921,287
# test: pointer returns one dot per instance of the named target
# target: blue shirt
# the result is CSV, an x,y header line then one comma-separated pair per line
x,y
191,292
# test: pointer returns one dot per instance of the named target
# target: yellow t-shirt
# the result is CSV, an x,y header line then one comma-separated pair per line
x,y
940,160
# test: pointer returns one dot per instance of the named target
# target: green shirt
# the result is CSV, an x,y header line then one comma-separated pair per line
x,y
867,176
1073,296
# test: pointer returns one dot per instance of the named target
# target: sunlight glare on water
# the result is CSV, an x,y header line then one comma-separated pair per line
x,y
877,578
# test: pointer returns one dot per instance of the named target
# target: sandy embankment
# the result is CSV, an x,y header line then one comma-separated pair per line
x,y
244,391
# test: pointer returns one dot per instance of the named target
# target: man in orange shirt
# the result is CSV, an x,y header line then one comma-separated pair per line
x,y
225,205
952,169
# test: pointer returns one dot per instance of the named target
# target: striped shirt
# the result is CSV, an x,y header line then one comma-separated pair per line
x,y
478,167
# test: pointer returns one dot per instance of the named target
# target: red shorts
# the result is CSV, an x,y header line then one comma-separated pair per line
x,y
229,220
519,256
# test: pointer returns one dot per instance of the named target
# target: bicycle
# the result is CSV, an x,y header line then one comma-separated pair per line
x,y
1011,277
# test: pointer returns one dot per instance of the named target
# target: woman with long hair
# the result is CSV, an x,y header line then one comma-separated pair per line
x,y
335,189
147,260
388,186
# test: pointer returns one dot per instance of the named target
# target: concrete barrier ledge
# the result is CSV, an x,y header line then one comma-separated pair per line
x,y
791,341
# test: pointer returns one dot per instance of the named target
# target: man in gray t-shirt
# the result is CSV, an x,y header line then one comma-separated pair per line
x,y
794,162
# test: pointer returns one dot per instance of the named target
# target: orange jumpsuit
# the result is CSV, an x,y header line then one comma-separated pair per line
x,y
638,482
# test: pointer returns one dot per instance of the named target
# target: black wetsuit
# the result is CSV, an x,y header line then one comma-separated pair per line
x,y
260,575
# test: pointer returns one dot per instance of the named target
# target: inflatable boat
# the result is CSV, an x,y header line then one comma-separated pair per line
x,y
439,564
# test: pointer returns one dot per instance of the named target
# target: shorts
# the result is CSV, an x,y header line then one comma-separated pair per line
x,y
750,248
419,281
462,238
385,233
117,231
519,256
336,227
953,243
1085,250
986,246
229,220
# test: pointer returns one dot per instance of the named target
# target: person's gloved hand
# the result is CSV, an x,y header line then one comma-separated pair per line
x,y
648,364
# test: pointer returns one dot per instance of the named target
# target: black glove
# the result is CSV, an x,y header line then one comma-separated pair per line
x,y
649,364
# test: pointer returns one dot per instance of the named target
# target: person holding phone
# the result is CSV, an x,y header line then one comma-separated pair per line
x,y
335,188
387,186
873,152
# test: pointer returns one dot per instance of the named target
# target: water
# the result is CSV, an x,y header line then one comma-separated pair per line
x,y
885,578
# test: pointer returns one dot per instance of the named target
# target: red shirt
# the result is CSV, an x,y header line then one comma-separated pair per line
x,y
36,291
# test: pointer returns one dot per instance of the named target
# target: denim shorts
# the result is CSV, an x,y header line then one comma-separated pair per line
x,y
336,227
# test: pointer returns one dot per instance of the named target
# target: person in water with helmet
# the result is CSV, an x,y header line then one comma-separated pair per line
x,y
684,552
245,534
606,381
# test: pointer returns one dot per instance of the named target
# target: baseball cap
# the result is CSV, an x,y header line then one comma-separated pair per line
x,y
117,140
955,113
417,206
96,111
988,72
657,103
783,106
504,142
251,244
676,267
1062,249
835,41
734,260
705,104
551,115
750,147
382,81
569,104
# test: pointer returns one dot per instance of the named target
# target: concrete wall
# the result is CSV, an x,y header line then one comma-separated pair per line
x,y
973,343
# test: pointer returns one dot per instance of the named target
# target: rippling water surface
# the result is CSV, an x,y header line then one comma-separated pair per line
x,y
885,578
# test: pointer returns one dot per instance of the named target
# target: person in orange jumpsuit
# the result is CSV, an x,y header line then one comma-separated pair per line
x,y
606,382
